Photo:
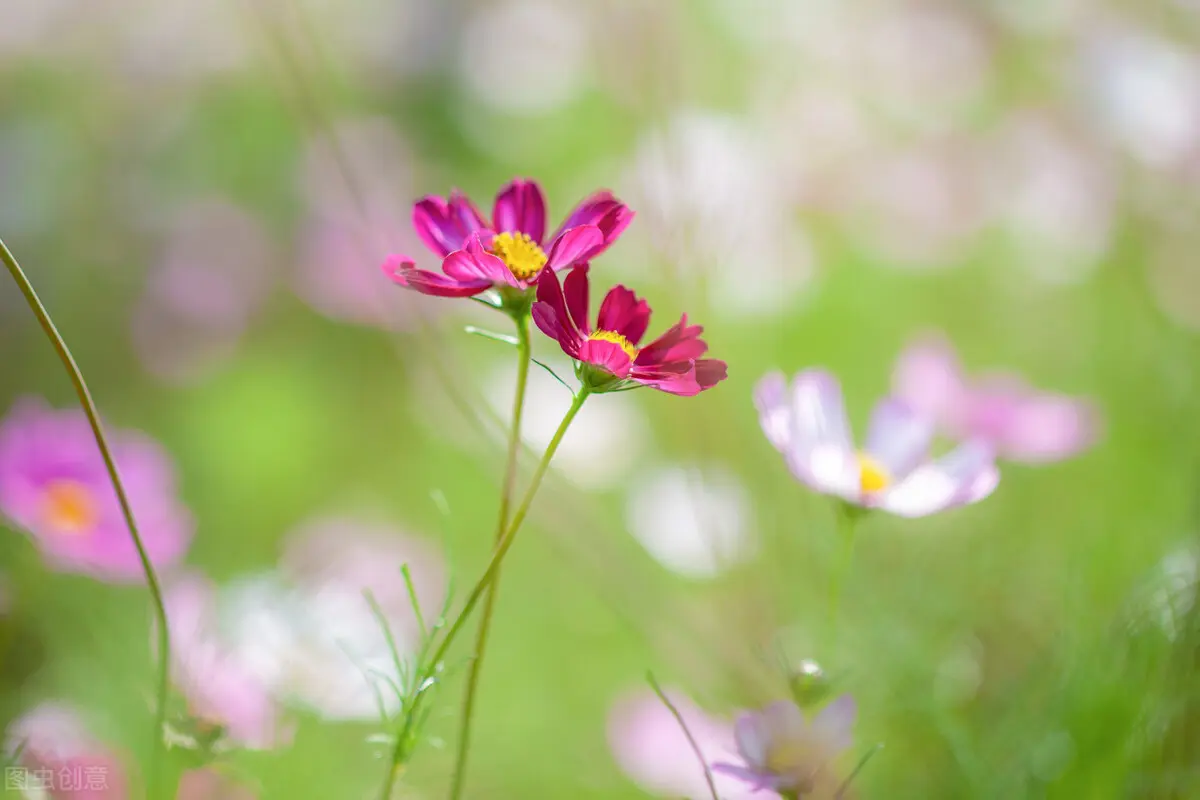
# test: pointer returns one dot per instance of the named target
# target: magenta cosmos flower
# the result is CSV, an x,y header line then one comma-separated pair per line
x,y
608,357
510,250
61,760
54,485
781,751
222,691
808,425
1020,422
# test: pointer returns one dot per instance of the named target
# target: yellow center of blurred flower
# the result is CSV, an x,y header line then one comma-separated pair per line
x,y
520,253
788,756
872,476
617,339
69,507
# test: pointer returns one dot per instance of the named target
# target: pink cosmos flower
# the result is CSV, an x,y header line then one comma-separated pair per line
x,y
893,472
510,250
652,749
609,357
60,758
221,691
1021,423
784,752
53,483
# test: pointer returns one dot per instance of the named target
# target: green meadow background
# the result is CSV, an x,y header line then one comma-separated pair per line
x,y
816,183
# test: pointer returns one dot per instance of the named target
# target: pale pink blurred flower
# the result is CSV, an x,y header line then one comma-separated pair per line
x,y
652,749
550,68
358,185
53,483
1054,196
783,751
61,760
918,208
208,784
807,423
215,273
220,690
1020,422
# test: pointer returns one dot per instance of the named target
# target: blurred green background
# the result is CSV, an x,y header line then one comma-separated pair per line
x,y
815,182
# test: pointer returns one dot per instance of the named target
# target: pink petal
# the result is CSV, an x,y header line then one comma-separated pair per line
x,y
678,378
623,312
575,290
605,212
899,436
474,263
710,372
834,724
774,411
444,225
929,378
521,207
606,355
400,269
1045,427
573,246
551,316
965,475
681,342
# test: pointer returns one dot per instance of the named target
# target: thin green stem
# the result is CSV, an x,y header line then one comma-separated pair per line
x,y
489,603
485,580
847,521
93,417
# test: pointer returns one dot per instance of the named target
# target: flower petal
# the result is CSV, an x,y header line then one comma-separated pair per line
x,y
625,313
521,207
899,437
575,290
965,475
1035,427
474,263
681,342
604,211
774,412
929,378
401,270
573,247
752,738
834,724
677,377
710,372
551,316
820,451
609,356
444,225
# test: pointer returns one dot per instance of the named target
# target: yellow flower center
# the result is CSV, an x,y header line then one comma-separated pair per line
x,y
617,339
872,475
69,507
520,253
789,756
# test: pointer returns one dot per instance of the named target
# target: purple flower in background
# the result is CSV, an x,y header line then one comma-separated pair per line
x,y
60,760
894,472
1021,423
784,752
221,691
54,485
652,749
215,273
510,250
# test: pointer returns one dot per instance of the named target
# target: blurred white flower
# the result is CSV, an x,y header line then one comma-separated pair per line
x,y
693,522
1143,92
602,444
215,272
309,630
181,40
525,57
709,197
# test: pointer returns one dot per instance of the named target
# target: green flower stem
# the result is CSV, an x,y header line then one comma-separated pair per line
x,y
431,670
847,517
489,603
93,417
